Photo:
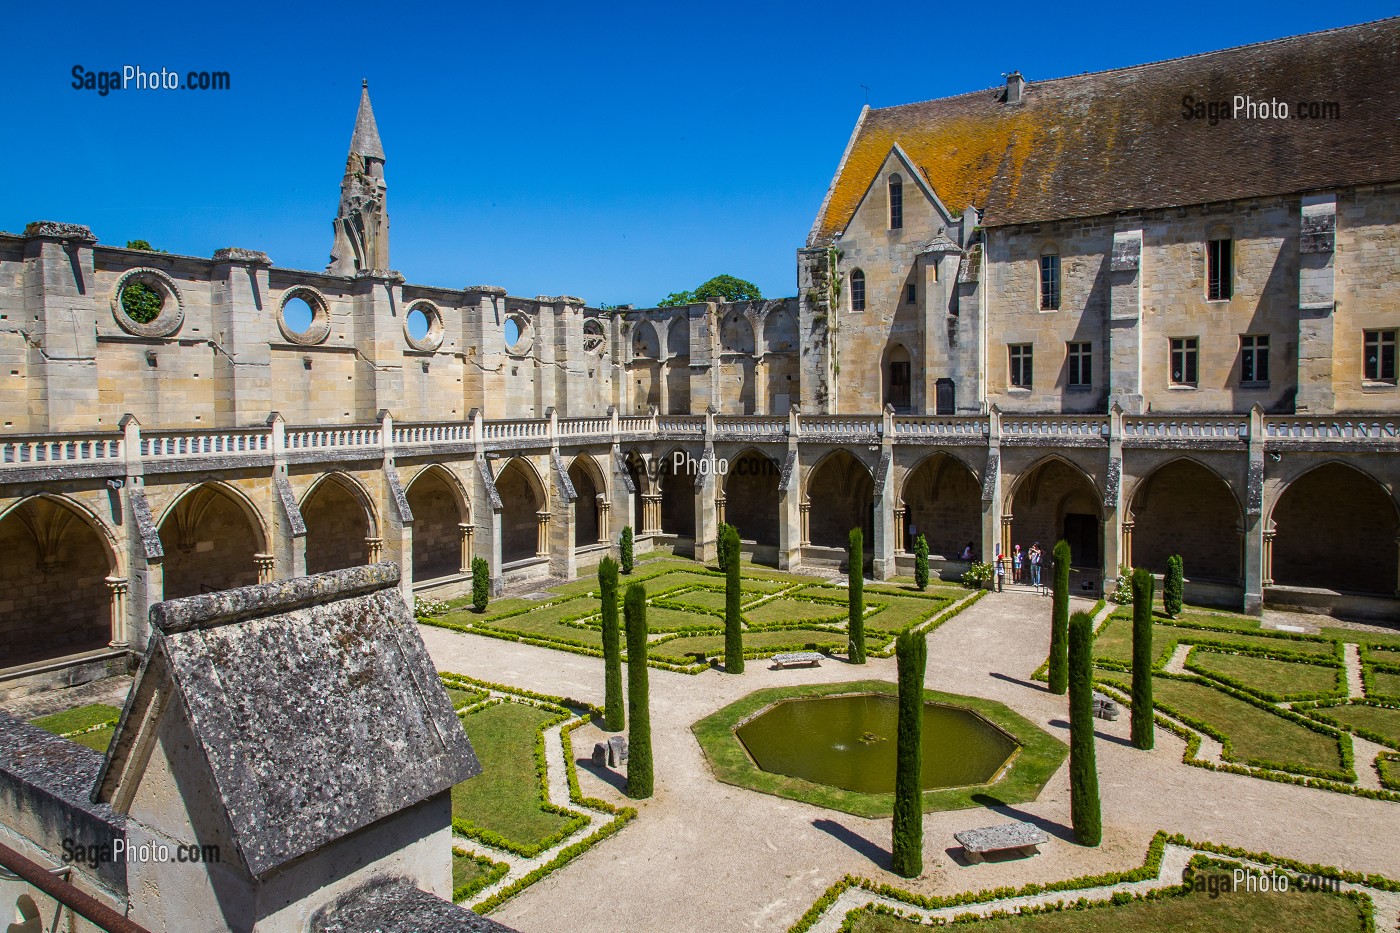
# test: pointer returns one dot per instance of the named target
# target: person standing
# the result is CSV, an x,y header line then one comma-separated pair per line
x,y
1016,564
1034,557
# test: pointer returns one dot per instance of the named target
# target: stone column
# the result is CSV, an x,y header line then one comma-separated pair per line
x,y
464,537
806,512
760,387
1268,549
542,533
663,389
1317,232
375,547
992,505
899,547
1126,554
116,597
1257,538
719,509
267,567
1005,538
1112,531
604,517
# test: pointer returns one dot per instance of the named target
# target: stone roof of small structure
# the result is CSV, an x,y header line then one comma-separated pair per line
x,y
1112,141
60,767
314,702
393,905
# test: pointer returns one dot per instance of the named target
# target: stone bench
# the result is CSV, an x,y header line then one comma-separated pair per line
x,y
792,658
977,843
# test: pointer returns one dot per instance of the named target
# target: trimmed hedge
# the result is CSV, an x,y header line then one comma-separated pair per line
x,y
907,842
733,597
921,562
1085,813
625,549
481,584
615,716
1173,586
1142,731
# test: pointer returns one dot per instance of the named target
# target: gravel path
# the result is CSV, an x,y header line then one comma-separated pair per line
x,y
704,856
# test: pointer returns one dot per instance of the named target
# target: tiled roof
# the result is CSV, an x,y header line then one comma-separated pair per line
x,y
1118,140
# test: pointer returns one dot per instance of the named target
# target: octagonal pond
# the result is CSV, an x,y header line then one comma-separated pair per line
x,y
848,741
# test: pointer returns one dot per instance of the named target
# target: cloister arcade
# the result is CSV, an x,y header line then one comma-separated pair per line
x,y
83,557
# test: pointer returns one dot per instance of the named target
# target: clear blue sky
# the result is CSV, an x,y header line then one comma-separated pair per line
x,y
616,153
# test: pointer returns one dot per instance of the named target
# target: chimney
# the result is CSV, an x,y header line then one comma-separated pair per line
x,y
1015,87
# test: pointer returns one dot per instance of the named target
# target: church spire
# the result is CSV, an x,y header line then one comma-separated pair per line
x,y
362,224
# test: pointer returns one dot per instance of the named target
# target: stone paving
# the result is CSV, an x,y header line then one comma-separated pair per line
x,y
706,856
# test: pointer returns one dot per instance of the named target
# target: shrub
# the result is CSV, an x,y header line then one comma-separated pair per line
x,y
1142,658
907,843
141,302
855,590
733,621
1085,816
921,562
1173,586
639,770
1059,619
481,584
723,551
625,547
424,606
977,575
1122,587
613,710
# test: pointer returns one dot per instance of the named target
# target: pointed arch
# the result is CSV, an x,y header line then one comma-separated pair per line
x,y
677,491
211,533
440,507
942,499
844,486
1056,499
897,378
751,496
55,556
341,521
1185,507
592,489
1335,527
523,497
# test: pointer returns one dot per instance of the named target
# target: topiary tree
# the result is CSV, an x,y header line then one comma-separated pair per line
x,y
481,584
723,551
625,547
1085,815
1143,727
639,769
855,590
613,709
733,621
1059,619
1173,586
908,832
921,562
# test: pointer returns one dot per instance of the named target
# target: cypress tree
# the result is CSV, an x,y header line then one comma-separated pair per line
x,y
855,590
639,769
733,621
1085,815
481,584
613,709
1142,658
723,551
1059,619
625,547
1173,586
908,832
921,562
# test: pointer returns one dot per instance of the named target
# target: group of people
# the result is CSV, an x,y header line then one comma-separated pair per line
x,y
1025,566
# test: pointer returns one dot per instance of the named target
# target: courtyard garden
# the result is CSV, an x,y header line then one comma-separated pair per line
x,y
685,617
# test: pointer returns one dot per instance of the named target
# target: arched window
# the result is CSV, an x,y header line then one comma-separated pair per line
x,y
857,290
896,202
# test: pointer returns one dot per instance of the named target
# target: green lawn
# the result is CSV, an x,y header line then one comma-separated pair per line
x,y
78,719
462,698
1194,912
1389,769
471,873
1269,678
1382,720
1384,684
662,619
706,599
680,650
786,609
1114,641
1257,737
506,797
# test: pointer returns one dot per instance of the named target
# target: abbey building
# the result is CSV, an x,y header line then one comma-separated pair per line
x,y
1063,308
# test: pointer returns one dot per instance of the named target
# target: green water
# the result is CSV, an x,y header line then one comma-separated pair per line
x,y
849,742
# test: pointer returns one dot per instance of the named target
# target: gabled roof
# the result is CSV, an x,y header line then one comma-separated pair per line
x,y
313,702
365,142
1117,140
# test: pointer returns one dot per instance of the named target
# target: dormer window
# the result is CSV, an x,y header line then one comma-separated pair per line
x,y
896,202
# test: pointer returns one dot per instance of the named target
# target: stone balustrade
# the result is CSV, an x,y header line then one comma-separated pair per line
x,y
1153,428
181,445
29,450
751,426
1336,428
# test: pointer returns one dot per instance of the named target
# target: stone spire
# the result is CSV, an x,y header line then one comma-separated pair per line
x,y
362,224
